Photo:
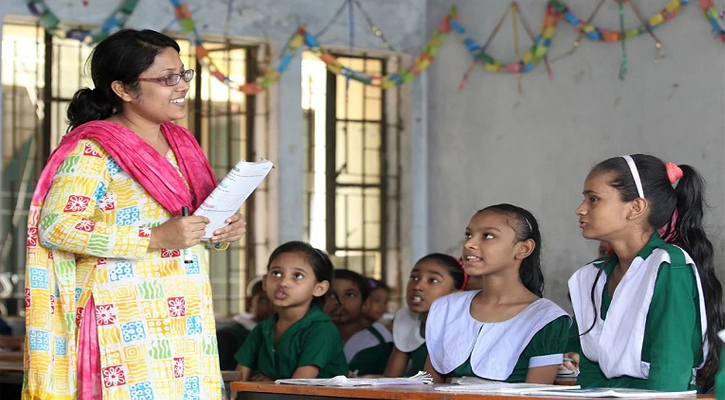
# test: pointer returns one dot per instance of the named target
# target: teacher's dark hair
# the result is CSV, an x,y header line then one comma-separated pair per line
x,y
122,57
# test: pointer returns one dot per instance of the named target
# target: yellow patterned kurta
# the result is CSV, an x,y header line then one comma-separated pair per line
x,y
154,312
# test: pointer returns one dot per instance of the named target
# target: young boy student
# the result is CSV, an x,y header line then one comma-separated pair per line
x,y
367,347
230,338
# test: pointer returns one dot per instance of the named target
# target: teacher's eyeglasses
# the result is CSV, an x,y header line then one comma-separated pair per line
x,y
173,79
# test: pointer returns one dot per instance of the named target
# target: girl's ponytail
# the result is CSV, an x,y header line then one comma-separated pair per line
x,y
690,235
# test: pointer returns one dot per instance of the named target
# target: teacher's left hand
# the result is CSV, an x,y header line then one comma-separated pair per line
x,y
236,228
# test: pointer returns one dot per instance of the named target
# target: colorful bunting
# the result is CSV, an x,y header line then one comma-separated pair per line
x,y
50,22
538,50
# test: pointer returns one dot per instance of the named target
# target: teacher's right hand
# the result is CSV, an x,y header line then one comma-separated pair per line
x,y
178,233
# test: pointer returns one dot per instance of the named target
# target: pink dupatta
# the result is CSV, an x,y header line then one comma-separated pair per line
x,y
143,163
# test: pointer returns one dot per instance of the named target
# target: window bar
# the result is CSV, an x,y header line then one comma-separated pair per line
x,y
330,155
384,148
250,252
363,172
229,123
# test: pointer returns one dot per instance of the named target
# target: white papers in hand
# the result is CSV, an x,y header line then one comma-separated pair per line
x,y
231,192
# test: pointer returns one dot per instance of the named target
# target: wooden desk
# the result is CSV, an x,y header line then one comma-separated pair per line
x,y
270,391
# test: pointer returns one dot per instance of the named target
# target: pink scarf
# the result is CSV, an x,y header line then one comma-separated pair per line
x,y
143,163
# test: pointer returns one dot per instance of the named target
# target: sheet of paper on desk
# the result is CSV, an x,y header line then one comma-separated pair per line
x,y
502,387
231,192
618,393
343,381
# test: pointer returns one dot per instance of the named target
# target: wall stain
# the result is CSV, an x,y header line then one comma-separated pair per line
x,y
674,88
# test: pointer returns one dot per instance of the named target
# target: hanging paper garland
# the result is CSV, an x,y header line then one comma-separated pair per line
x,y
183,15
592,32
273,75
50,21
302,37
536,52
405,75
708,8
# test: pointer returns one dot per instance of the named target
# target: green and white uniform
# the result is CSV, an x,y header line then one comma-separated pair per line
x,y
368,350
460,345
407,338
650,334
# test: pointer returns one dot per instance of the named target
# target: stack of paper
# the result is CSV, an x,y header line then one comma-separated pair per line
x,y
502,387
619,393
342,381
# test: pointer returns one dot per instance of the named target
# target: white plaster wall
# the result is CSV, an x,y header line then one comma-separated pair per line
x,y
489,144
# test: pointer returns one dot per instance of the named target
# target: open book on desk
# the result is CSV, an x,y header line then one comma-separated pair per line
x,y
231,193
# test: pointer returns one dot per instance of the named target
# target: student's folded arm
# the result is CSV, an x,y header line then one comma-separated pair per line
x,y
245,372
306,372
546,349
673,325
437,377
259,377
545,374
396,364
66,220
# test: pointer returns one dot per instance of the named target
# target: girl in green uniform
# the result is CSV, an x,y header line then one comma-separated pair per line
x,y
647,315
433,276
299,340
506,331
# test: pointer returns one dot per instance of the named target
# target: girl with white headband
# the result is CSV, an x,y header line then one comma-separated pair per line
x,y
647,315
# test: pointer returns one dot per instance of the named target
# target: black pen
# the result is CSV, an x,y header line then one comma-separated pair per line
x,y
188,259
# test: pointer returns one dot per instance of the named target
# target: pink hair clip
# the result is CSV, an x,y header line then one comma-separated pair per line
x,y
465,275
674,173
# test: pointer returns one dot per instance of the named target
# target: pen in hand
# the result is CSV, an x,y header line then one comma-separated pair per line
x,y
188,259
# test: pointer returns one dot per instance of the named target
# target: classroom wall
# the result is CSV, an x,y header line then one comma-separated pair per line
x,y
273,22
490,143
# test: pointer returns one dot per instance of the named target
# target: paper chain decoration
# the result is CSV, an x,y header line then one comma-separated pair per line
x,y
302,37
537,51
530,59
50,21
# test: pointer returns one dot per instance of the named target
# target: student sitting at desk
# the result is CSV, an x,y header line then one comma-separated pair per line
x,y
646,315
379,297
432,277
367,347
506,331
231,338
299,341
